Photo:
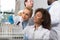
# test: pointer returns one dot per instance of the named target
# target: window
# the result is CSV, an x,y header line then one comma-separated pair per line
x,y
7,5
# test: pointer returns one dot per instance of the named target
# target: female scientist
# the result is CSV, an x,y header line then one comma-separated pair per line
x,y
41,28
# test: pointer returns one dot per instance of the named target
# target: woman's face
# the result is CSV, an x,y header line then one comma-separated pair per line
x,y
38,17
26,14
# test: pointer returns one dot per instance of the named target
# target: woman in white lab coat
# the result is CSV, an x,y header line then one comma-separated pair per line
x,y
41,28
23,20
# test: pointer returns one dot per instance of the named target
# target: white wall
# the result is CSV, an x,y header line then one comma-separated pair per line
x,y
37,4
7,5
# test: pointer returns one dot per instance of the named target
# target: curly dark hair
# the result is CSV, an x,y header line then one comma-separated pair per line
x,y
46,17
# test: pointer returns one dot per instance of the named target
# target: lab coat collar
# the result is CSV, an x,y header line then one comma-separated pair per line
x,y
39,28
55,3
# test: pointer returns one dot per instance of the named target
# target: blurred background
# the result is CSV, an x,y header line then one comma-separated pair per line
x,y
11,7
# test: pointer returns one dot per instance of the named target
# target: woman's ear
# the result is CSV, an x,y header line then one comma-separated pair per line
x,y
25,3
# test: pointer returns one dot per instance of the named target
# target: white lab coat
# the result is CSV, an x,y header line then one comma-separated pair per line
x,y
19,18
55,12
40,33
55,19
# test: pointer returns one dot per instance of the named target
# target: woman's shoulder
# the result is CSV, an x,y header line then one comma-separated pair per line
x,y
46,30
46,34
27,28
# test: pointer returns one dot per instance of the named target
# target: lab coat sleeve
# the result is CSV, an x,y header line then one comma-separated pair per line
x,y
25,30
55,14
53,35
46,35
16,19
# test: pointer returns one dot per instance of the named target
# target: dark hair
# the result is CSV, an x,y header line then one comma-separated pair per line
x,y
25,1
31,11
46,17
